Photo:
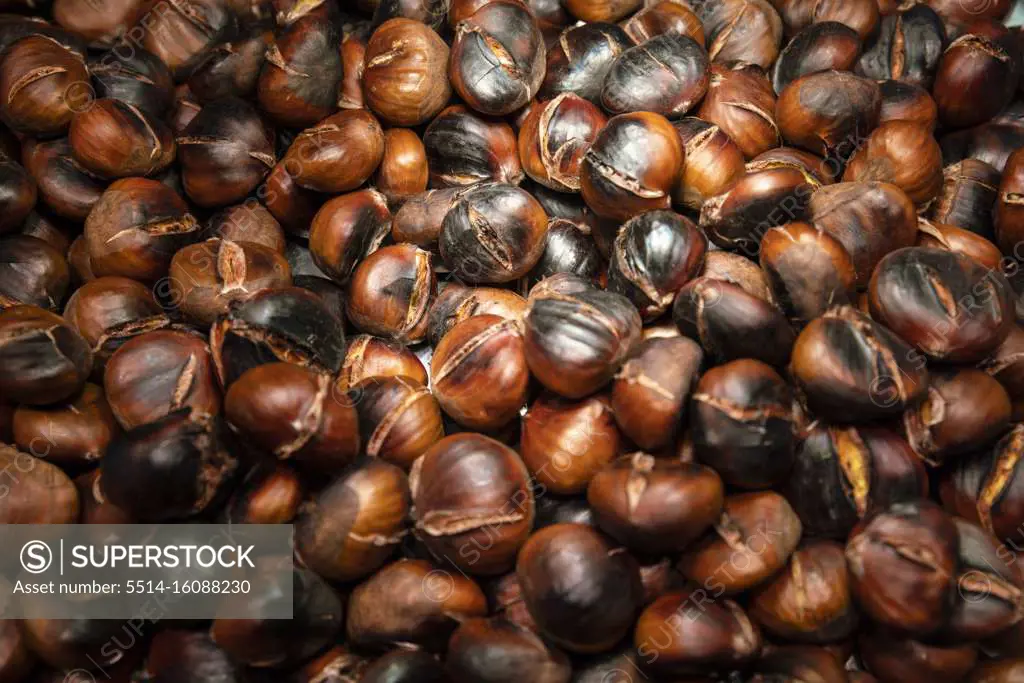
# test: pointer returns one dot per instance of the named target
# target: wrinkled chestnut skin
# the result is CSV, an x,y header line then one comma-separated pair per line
x,y
159,372
473,503
852,369
352,526
741,424
869,219
135,229
1009,209
298,84
945,303
841,474
70,435
464,148
673,638
346,230
819,47
411,601
497,651
582,592
42,359
44,494
713,162
390,293
32,272
908,47
478,372
730,323
904,154
554,137
808,270
810,601
902,562
493,233
289,324
579,61
114,139
964,410
368,357
667,16
293,412
632,166
403,171
36,74
577,336
338,154
655,506
497,58
651,390
828,112
564,443
456,303
907,102
404,79
667,75
988,488
760,527
654,255
748,31
968,194
975,80
172,468
399,419
741,102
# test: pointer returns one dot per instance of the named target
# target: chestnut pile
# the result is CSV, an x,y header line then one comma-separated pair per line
x,y
581,341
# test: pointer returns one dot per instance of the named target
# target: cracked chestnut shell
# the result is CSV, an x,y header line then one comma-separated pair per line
x,y
731,323
390,293
456,303
159,372
819,47
42,359
582,591
135,229
464,148
493,233
632,166
294,412
346,230
577,336
943,302
478,372
655,506
655,254
232,69
369,356
473,503
652,388
289,324
338,154
497,58
904,154
741,102
952,238
399,419
667,16
903,562
554,138
667,75
713,162
36,74
968,196
71,435
682,633
988,488
841,474
225,152
300,79
828,112
747,31
852,369
172,468
761,528
976,79
907,48
1009,208
860,15
579,61
810,601
741,424
405,79
32,272
353,526
182,34
114,139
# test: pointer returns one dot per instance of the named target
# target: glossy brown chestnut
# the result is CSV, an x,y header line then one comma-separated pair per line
x,y
36,73
554,137
42,359
404,77
632,166
18,194
421,217
968,194
403,171
346,230
368,357
353,61
904,154
390,293
741,424
907,102
248,222
1005,366
464,148
497,58
32,272
231,69
819,47
270,494
569,248
114,139
1009,209
655,506
583,593
667,75
182,34
739,270
456,303
579,61
829,113
338,154
976,78
713,162
473,503
907,48
940,236
666,16
893,656
63,185
497,650
293,206
399,419
70,435
747,31
741,102
478,372
44,494
860,15
602,10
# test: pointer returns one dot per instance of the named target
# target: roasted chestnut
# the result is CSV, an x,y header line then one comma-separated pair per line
x,y
231,69
403,171
338,154
667,75
181,35
904,154
664,16
71,435
907,48
464,148
32,272
713,162
399,419
907,102
456,303
498,650
554,137
819,47
346,230
368,357
390,293
63,185
579,61
299,83
741,102
569,248
829,112
975,80
42,359
747,31
114,139
404,78
36,75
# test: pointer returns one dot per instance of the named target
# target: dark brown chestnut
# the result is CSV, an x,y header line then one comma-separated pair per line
x,y
36,74
747,31
114,139
42,359
554,137
181,35
819,47
860,15
404,77
390,293
338,154
893,656
667,75
369,356
579,61
741,102
64,186
976,79
829,112
713,162
456,303
497,651
32,272
399,419
346,230
904,154
907,102
664,16
232,68
403,171
464,148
